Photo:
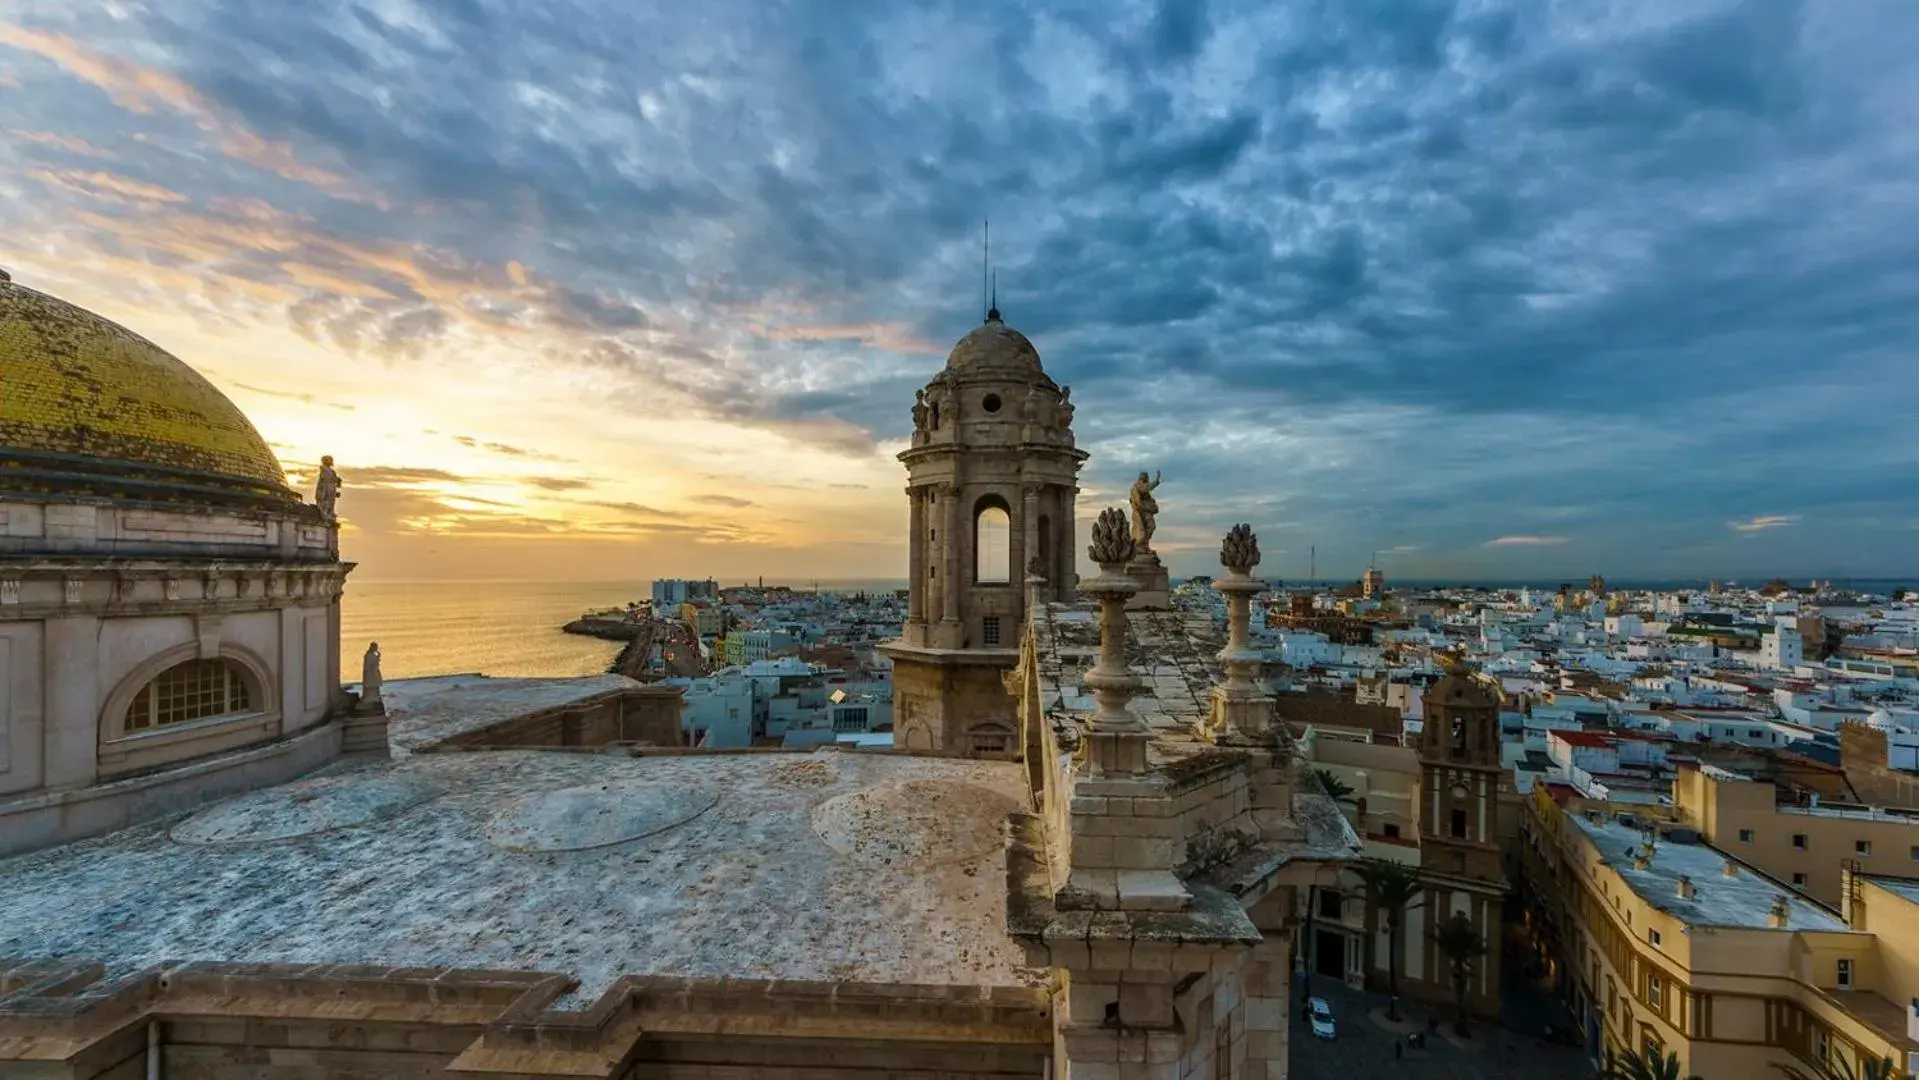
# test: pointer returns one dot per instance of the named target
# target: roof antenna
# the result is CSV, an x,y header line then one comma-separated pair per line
x,y
992,313
986,262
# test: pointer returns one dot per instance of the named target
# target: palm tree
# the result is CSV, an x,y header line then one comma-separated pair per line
x,y
1336,789
1391,889
1463,946
1650,1063
1839,1068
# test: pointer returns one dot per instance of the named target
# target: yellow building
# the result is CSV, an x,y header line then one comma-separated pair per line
x,y
1806,847
705,620
1677,945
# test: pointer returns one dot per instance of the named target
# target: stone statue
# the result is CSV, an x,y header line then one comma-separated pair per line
x,y
1112,544
326,490
1145,511
1029,409
1239,552
1065,407
370,680
919,412
1036,568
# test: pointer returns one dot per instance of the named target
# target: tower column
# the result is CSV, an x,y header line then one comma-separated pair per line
x,y
1065,576
1028,522
950,592
916,556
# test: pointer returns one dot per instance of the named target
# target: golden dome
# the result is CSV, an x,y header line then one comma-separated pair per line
x,y
84,399
996,348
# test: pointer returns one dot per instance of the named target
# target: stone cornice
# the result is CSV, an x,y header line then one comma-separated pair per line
x,y
48,588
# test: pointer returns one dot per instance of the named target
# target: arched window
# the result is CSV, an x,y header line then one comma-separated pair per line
x,y
193,690
1046,544
992,543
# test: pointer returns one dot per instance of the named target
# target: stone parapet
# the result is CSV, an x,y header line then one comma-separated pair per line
x,y
518,1023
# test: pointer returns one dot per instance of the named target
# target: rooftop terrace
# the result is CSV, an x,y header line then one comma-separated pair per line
x,y
824,866
1741,902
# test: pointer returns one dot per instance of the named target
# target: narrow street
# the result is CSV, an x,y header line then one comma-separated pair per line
x,y
1365,1048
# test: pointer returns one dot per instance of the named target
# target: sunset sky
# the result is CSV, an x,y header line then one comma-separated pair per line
x,y
579,290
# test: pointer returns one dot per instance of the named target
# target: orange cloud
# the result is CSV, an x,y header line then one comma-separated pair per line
x,y
106,186
892,336
131,86
63,142
139,89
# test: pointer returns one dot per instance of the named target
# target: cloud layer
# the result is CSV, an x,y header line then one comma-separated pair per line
x,y
1491,289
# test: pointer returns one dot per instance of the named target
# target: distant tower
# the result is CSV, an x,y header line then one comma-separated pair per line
x,y
1459,769
992,476
1372,583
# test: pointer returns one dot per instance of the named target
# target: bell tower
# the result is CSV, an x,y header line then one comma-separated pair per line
x,y
992,477
1459,862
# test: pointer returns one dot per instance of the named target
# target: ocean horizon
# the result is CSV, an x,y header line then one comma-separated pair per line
x,y
512,628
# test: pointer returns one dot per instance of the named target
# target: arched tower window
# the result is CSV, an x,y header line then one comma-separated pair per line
x,y
193,690
992,542
1046,543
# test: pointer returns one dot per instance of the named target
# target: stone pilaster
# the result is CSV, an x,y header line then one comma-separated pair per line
x,y
950,548
916,565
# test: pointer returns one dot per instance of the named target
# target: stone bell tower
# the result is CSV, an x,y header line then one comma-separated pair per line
x,y
992,476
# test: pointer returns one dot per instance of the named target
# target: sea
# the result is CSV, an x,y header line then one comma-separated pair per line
x,y
512,628
507,628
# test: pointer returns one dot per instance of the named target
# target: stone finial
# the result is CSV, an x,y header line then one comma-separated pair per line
x,y
1239,552
1036,568
1240,709
1112,538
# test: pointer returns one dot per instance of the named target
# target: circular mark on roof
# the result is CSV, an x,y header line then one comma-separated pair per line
x,y
990,403
305,807
595,815
914,821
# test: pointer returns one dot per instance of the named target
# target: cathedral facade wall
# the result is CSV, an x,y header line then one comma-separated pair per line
x,y
119,670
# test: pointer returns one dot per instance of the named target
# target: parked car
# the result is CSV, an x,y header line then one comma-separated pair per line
x,y
1320,1015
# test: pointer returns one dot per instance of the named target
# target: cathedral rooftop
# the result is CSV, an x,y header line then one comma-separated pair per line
x,y
832,866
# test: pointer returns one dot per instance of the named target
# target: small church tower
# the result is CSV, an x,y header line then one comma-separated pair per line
x,y
1459,767
992,476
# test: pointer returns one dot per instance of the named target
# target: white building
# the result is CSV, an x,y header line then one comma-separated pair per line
x,y
1783,649
670,593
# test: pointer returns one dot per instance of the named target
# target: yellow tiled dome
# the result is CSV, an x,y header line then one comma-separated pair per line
x,y
77,389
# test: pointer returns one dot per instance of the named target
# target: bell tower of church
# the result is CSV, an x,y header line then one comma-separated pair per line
x,y
992,476
1459,863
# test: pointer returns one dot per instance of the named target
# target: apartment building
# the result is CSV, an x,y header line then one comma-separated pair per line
x,y
1676,944
1808,846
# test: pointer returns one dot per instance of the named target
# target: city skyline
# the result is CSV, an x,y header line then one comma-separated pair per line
x,y
1495,292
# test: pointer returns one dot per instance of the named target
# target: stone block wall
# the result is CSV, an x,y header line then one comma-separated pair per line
x,y
649,715
98,527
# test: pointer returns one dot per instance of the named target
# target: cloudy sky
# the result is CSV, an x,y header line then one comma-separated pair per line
x,y
609,289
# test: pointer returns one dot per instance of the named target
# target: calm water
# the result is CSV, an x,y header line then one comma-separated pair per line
x,y
495,627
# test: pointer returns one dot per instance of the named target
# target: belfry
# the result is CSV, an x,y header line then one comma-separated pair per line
x,y
992,476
